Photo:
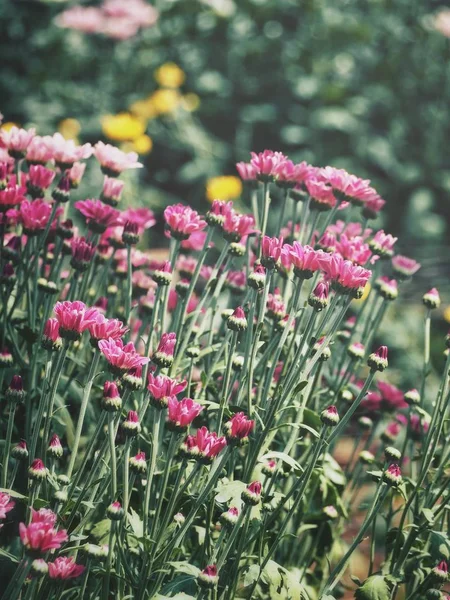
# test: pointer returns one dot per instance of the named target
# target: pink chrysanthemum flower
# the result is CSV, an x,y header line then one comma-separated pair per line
x,y
204,446
39,179
321,194
16,140
405,267
271,249
354,249
236,226
383,244
99,216
163,356
6,504
112,190
266,163
75,174
40,150
34,216
252,493
113,161
305,260
143,217
238,428
121,357
373,206
82,253
348,187
247,172
74,318
40,535
66,152
102,329
218,212
162,387
55,449
181,413
182,221
344,275
11,196
64,567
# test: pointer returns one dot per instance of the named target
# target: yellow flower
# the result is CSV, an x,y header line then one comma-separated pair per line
x,y
164,101
447,313
122,127
143,109
169,75
191,102
226,187
143,144
366,292
69,128
9,125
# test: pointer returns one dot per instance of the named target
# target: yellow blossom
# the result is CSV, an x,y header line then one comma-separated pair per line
x,y
191,102
447,313
226,187
143,109
164,101
363,298
9,125
169,75
122,127
143,144
69,128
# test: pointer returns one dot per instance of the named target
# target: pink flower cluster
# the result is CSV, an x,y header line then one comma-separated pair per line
x,y
40,535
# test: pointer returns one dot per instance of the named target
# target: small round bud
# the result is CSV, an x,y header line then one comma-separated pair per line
x,y
343,335
237,362
112,290
60,496
20,451
318,299
432,299
6,358
132,379
252,494
330,512
388,288
37,470
115,511
434,594
208,578
365,423
61,192
193,352
230,516
330,417
111,400
440,572
356,350
39,567
163,276
257,278
346,395
138,464
63,479
15,392
366,457
393,475
412,397
392,454
55,449
179,518
130,235
236,249
378,361
269,468
131,426
237,321
94,551
182,287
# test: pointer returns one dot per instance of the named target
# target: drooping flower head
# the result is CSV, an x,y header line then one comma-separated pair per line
x,y
113,161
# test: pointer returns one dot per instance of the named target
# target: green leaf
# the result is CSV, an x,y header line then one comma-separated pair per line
x,y
374,588
439,546
8,555
299,387
101,530
283,457
136,523
184,567
13,494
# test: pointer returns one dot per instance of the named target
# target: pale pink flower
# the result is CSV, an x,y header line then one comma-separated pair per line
x,y
266,163
113,161
40,150
383,243
247,171
321,193
236,226
16,140
404,266
196,241
347,186
6,504
75,173
182,221
112,190
304,259
87,19
143,217
66,152
121,357
40,535
138,11
64,567
353,249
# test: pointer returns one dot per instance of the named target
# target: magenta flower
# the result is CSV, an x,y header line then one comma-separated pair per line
x,y
40,150
236,226
112,190
163,387
252,493
40,535
6,504
208,578
75,174
348,187
182,221
121,357
66,152
392,398
82,253
113,161
143,217
55,449
271,249
305,260
344,275
99,216
74,318
204,445
354,249
163,356
383,243
393,475
39,178
51,339
238,428
266,163
405,267
102,328
35,215
287,174
182,413
321,194
11,196
64,567
16,140
373,206
218,212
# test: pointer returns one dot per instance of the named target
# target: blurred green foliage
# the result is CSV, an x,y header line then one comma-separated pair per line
x,y
362,84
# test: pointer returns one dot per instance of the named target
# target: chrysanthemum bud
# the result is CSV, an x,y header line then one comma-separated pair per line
x,y
51,339
39,567
62,479
237,362
163,357
325,353
15,392
343,335
20,451
378,361
60,496
130,235
94,551
434,594
55,449
131,426
346,395
388,288
440,572
47,287
393,475
318,298
226,314
238,428
356,350
230,516
163,275
182,287
252,493
138,464
237,321
257,278
193,352
236,249
8,276
61,192
366,457
6,358
112,290
133,379
392,454
330,512
330,417
432,299
111,400
269,468
365,423
37,470
115,511
208,578
412,397
179,518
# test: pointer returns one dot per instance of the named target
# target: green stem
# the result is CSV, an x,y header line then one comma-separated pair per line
x,y
6,451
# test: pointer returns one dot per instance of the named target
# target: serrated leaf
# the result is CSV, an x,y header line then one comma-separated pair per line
x,y
374,588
